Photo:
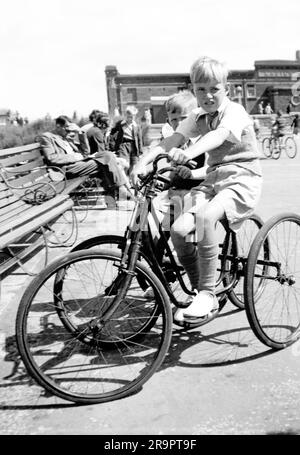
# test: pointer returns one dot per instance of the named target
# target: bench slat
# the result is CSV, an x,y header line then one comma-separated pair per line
x,y
5,192
7,201
72,184
34,211
13,211
30,166
20,149
28,178
35,223
15,159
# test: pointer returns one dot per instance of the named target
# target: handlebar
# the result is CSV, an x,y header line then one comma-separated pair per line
x,y
145,178
191,163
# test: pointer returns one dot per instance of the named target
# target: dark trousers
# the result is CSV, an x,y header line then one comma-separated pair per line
x,y
110,174
128,151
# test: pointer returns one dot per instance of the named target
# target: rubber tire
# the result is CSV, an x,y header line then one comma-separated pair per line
x,y
248,284
275,149
34,370
231,294
266,147
294,147
98,240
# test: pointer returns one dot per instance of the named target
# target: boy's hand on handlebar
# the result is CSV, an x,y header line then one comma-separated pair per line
x,y
184,172
138,169
178,156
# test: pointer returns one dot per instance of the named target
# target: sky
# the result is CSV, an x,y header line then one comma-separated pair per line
x,y
54,52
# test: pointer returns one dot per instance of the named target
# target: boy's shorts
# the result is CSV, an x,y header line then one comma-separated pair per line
x,y
235,188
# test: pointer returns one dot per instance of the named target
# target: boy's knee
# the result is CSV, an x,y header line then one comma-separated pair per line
x,y
208,222
175,230
180,227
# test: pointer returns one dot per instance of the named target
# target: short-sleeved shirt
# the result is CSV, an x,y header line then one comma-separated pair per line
x,y
239,148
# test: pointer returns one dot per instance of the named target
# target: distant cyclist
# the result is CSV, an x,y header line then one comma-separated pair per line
x,y
281,126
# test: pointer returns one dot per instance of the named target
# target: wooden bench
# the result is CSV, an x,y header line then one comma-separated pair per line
x,y
32,196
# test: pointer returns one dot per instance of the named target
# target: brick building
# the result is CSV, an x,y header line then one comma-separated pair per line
x,y
273,81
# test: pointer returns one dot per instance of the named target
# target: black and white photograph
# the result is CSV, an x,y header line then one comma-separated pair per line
x,y
149,221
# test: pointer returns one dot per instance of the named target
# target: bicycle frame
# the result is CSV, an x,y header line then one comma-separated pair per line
x,y
138,239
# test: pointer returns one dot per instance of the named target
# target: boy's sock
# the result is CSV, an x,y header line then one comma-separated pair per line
x,y
190,262
208,258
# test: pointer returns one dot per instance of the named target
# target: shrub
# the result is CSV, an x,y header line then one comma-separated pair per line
x,y
15,135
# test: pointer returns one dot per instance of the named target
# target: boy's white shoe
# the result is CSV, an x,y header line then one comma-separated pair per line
x,y
178,315
203,304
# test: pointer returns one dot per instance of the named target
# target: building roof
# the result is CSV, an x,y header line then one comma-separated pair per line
x,y
277,63
174,77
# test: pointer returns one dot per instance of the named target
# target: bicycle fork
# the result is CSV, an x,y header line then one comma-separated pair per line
x,y
127,265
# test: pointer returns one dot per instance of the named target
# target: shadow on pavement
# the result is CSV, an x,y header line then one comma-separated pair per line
x,y
195,348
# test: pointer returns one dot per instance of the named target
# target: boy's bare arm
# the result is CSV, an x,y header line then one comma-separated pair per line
x,y
200,173
176,140
206,143
192,174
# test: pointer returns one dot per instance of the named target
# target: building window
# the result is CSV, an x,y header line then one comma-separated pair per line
x,y
237,91
251,91
131,95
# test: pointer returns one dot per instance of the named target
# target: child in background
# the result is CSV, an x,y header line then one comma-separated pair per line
x,y
169,203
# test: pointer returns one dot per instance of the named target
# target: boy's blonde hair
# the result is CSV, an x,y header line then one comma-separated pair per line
x,y
131,110
182,103
204,69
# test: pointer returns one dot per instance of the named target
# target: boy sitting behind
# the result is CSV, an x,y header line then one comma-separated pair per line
x,y
178,107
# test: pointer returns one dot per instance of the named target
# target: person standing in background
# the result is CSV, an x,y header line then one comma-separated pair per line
x,y
268,109
98,144
288,108
256,126
126,138
260,108
92,117
296,125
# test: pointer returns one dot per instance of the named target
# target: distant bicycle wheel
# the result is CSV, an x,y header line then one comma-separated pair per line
x,y
266,147
275,148
97,358
290,147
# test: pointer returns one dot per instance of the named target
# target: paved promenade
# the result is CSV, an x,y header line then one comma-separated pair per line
x,y
218,379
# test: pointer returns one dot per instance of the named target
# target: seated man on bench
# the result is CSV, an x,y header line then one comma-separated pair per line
x,y
76,161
